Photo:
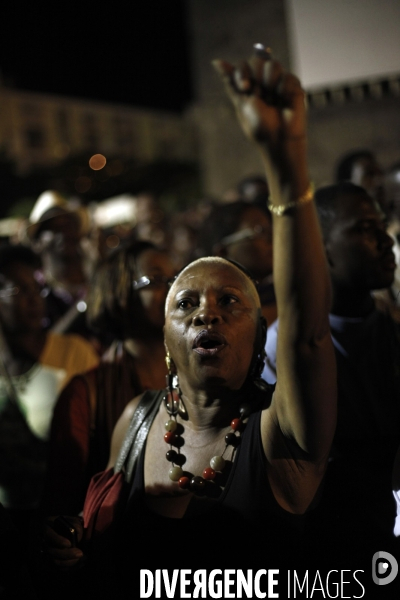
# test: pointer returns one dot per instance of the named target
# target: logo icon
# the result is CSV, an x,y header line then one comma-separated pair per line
x,y
384,568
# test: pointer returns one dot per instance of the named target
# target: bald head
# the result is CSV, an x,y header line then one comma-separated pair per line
x,y
212,264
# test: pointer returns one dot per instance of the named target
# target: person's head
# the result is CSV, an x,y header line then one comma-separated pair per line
x,y
214,332
22,307
242,232
358,248
55,229
128,290
60,237
361,168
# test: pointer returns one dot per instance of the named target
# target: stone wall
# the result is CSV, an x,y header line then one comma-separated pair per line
x,y
227,29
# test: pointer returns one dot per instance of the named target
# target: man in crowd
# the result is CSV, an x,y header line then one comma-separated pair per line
x,y
367,345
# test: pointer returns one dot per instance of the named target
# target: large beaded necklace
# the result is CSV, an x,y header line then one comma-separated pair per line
x,y
185,480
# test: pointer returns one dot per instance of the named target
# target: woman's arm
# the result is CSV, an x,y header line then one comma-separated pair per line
x,y
298,428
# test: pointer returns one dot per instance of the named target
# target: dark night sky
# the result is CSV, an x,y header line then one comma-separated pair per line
x,y
130,52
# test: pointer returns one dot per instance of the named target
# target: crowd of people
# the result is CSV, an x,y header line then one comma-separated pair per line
x,y
148,418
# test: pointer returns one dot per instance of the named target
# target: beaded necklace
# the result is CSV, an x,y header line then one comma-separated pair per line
x,y
185,480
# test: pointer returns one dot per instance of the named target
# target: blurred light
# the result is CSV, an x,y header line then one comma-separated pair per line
x,y
83,184
81,306
112,241
120,209
10,227
97,162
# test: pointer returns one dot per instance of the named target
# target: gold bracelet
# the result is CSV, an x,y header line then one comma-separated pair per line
x,y
283,209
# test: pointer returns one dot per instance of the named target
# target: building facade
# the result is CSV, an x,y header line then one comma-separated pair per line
x,y
341,119
40,130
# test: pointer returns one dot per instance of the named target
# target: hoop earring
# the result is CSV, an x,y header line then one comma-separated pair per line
x,y
168,362
173,396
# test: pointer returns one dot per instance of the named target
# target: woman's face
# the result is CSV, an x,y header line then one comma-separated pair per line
x,y
210,327
153,263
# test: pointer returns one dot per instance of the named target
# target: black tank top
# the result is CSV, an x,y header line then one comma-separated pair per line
x,y
246,511
244,528
247,492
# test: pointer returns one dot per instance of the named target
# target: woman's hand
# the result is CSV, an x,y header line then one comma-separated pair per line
x,y
59,549
269,102
270,106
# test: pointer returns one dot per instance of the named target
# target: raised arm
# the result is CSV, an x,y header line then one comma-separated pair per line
x,y
298,428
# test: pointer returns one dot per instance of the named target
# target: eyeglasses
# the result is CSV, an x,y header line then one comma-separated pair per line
x,y
151,280
250,233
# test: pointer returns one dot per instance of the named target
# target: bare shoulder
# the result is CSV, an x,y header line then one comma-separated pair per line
x,y
121,428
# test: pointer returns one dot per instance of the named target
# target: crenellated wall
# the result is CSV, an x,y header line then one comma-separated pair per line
x,y
338,121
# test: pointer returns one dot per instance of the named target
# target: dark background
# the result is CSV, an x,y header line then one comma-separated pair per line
x,y
130,52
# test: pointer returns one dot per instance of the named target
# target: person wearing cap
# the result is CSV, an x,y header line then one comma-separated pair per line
x,y
55,231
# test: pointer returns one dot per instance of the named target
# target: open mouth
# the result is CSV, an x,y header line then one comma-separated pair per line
x,y
208,343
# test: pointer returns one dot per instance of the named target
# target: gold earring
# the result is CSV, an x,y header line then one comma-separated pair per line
x,y
168,361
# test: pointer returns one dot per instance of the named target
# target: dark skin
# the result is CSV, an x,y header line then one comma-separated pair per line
x,y
360,255
212,300
212,295
205,297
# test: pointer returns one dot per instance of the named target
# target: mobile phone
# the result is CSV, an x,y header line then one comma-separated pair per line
x,y
66,529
